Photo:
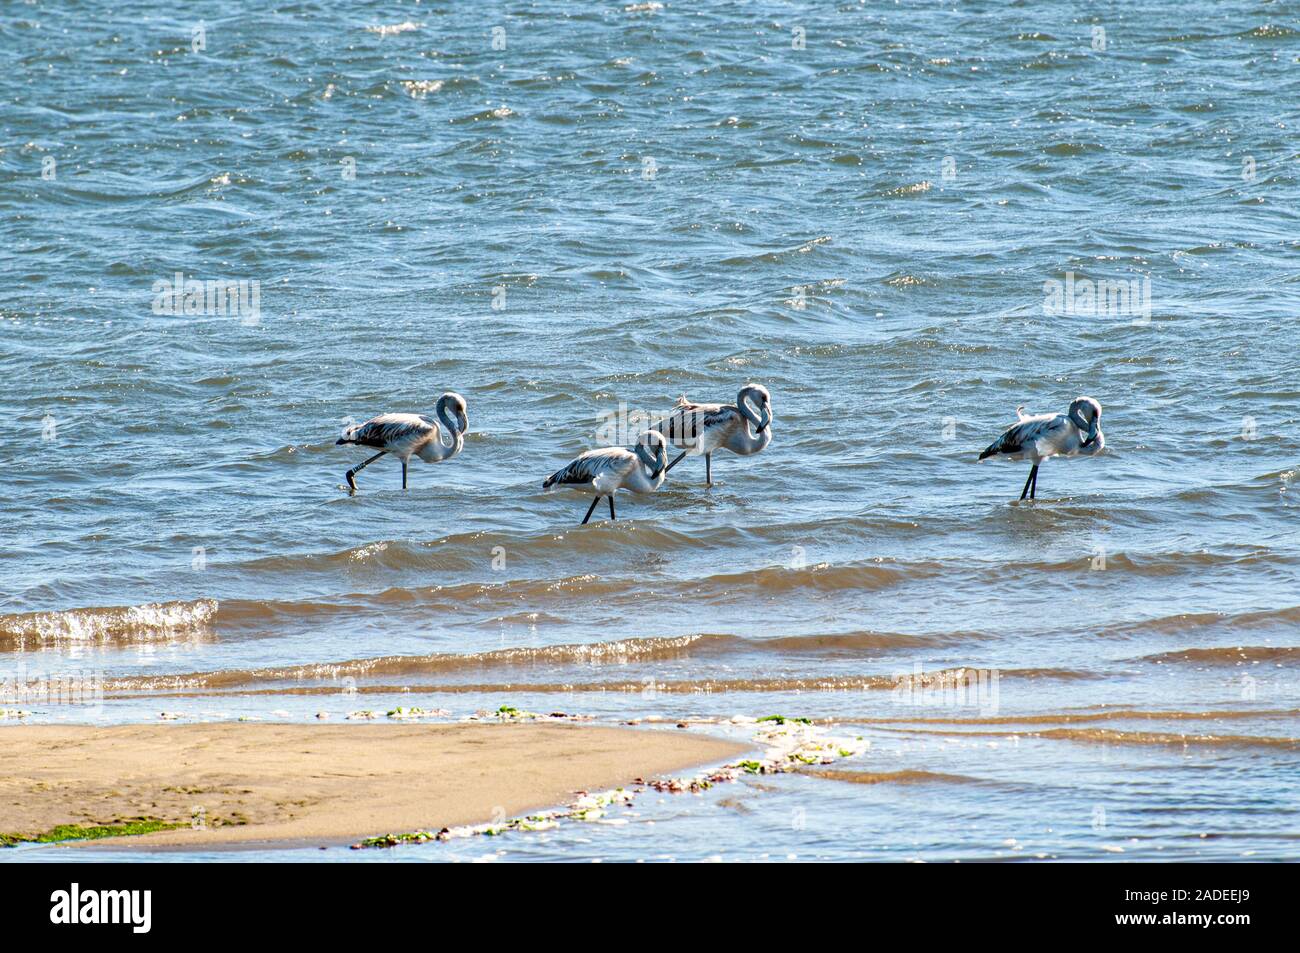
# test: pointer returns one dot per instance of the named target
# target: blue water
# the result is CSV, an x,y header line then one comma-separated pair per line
x,y
613,207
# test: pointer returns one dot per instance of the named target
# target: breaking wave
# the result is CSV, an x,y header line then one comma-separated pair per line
x,y
154,621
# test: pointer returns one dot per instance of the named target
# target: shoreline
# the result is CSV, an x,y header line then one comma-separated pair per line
x,y
251,784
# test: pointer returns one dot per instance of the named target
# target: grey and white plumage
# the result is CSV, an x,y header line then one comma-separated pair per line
x,y
431,439
609,469
704,428
1077,432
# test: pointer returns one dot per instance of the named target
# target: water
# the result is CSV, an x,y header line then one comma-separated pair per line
x,y
619,207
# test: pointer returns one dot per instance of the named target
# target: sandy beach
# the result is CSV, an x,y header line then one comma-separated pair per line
x,y
326,783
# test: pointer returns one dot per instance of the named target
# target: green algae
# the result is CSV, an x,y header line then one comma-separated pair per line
x,y
72,832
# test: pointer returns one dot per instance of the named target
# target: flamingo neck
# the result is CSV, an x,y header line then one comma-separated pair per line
x,y
443,447
750,439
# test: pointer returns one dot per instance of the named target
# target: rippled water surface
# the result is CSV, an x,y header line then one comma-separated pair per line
x,y
588,213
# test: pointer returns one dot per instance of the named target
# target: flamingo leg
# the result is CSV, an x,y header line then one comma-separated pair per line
x,y
1033,474
403,474
590,509
675,462
708,469
361,466
1033,490
611,507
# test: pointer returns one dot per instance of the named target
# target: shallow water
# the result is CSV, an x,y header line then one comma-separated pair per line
x,y
618,207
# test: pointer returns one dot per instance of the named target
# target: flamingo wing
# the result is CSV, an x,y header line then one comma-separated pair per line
x,y
389,430
595,467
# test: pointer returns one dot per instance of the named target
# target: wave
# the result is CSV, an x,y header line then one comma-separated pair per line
x,y
420,88
620,652
1183,622
328,676
151,622
916,188
1229,655
485,115
1269,31
900,279
854,643
1072,148
1113,736
893,777
549,555
822,576
392,29
1108,736
461,552
496,604
1117,714
112,187
776,257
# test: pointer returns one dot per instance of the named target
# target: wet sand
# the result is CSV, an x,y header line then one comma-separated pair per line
x,y
323,783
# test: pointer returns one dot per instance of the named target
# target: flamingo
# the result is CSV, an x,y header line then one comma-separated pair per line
x,y
1077,432
610,469
703,428
407,435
